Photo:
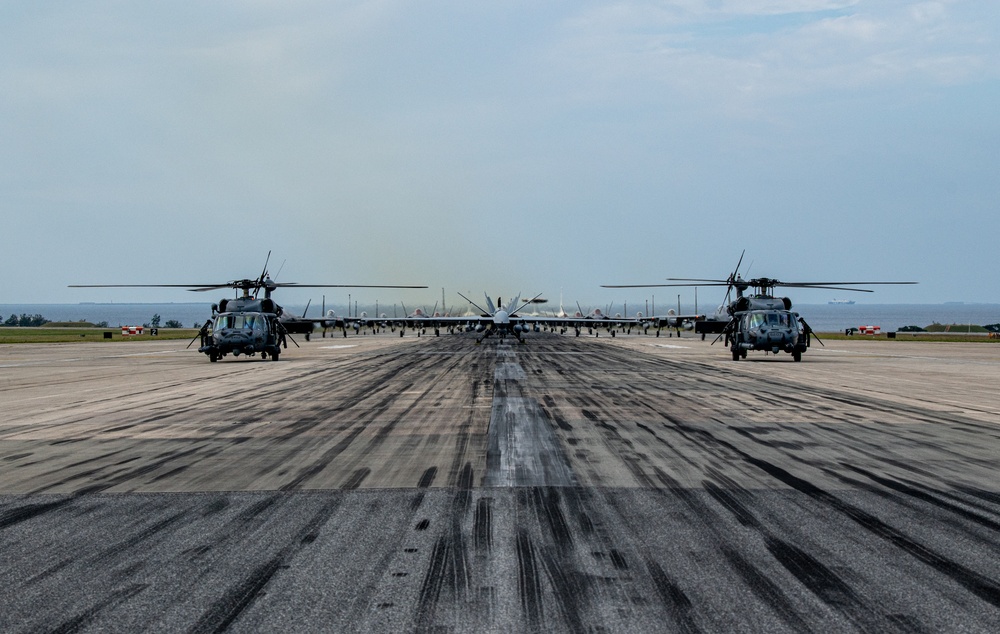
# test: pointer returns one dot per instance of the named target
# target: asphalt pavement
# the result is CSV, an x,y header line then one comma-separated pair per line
x,y
379,483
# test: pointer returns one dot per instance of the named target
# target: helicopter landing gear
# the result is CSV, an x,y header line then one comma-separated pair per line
x,y
796,356
736,354
213,357
274,355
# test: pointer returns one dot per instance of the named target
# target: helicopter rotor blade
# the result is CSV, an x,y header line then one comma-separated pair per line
x,y
200,287
706,282
833,288
689,283
260,280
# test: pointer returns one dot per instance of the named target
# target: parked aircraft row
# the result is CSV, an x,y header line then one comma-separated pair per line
x,y
250,325
499,319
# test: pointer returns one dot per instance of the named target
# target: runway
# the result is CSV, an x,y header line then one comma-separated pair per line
x,y
375,483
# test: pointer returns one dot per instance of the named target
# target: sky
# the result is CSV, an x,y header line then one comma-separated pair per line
x,y
499,146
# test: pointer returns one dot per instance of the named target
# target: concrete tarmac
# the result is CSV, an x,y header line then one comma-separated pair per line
x,y
374,483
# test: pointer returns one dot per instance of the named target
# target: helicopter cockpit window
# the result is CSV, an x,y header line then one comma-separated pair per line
x,y
223,321
772,319
757,320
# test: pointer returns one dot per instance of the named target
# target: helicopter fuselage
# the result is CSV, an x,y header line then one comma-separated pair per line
x,y
768,329
244,326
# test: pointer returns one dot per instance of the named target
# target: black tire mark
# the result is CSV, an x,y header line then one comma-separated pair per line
x,y
529,584
820,580
430,590
980,585
227,609
924,496
449,566
237,599
23,513
546,503
427,479
134,540
675,602
765,589
356,479
758,583
568,589
483,524
80,621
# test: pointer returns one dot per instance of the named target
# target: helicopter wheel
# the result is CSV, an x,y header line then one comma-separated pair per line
x,y
797,356
274,356
736,354
213,357
743,353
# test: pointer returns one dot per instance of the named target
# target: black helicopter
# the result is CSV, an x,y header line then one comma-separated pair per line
x,y
761,321
248,325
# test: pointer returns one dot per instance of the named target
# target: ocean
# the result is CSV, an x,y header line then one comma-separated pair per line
x,y
821,317
890,317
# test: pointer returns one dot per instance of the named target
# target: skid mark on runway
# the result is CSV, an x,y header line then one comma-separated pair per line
x,y
714,499
522,448
980,585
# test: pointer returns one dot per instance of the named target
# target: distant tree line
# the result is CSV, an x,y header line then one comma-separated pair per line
x,y
170,323
25,320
